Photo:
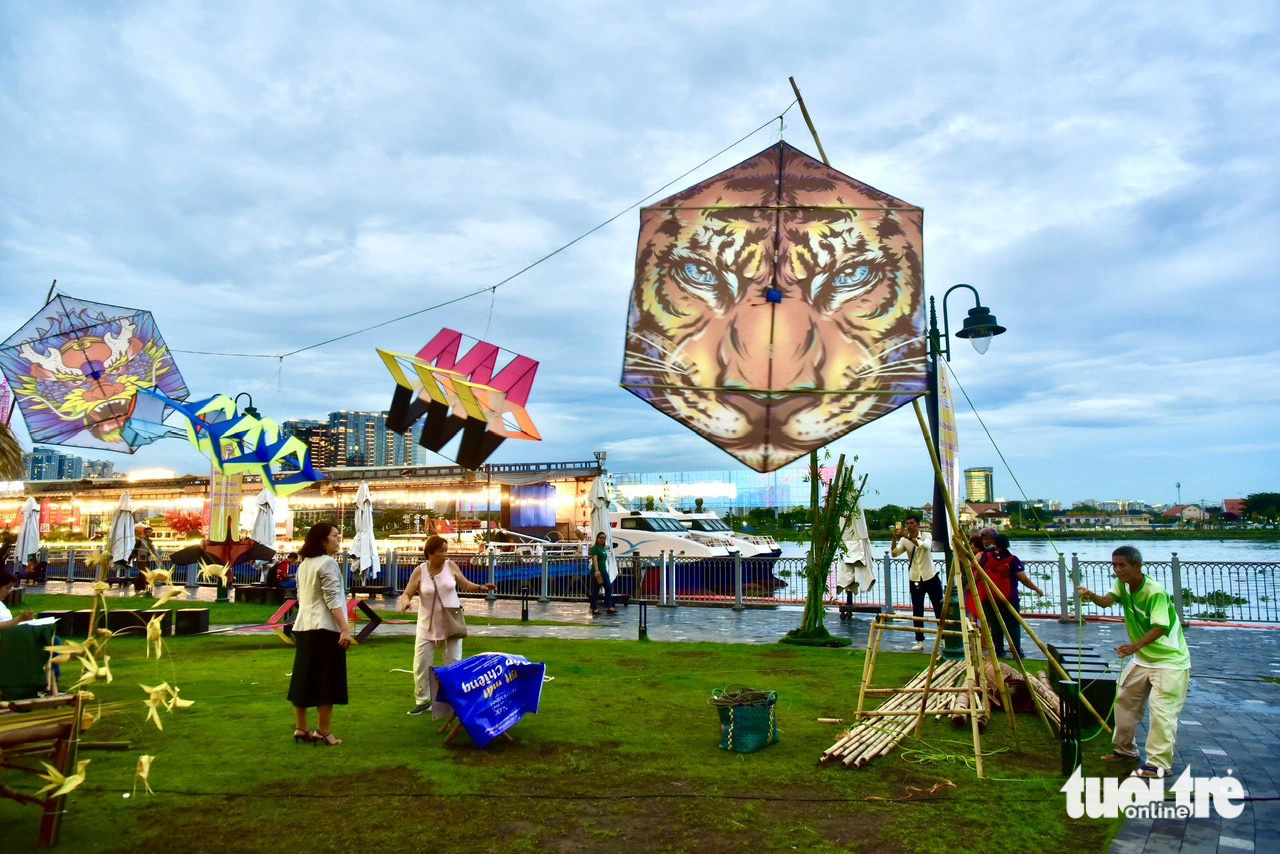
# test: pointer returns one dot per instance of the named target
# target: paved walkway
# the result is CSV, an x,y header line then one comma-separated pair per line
x,y
1231,721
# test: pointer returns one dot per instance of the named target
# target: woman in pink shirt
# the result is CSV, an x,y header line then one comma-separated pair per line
x,y
436,583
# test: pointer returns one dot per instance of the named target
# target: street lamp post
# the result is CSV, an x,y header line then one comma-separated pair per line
x,y
979,328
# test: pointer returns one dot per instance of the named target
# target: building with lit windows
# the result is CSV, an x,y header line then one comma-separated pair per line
x,y
349,438
48,464
721,490
978,485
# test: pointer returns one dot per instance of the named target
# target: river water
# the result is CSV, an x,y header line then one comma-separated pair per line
x,y
1152,550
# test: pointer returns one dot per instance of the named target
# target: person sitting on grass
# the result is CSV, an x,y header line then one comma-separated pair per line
x,y
7,620
1160,669
28,575
283,572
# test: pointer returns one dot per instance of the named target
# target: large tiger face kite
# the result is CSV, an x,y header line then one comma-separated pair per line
x,y
776,307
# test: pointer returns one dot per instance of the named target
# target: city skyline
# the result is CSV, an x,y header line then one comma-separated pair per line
x,y
278,181
720,488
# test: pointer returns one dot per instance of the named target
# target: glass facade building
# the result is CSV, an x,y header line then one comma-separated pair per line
x,y
721,490
978,485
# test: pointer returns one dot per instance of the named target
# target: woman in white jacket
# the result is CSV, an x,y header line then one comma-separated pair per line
x,y
321,636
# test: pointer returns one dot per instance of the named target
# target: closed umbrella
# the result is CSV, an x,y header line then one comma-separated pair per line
x,y
600,503
856,571
364,547
29,536
122,539
264,520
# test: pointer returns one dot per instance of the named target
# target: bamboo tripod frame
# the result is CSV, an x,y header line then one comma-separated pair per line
x,y
903,703
968,565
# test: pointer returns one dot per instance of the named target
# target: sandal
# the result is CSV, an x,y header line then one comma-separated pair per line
x,y
611,611
302,735
595,612
326,738
1115,756
1149,771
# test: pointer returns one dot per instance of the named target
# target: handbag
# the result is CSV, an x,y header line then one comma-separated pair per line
x,y
455,622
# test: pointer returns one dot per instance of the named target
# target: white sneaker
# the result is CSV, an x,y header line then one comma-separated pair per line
x,y
917,647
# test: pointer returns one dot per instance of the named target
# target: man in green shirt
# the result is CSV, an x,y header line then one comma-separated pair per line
x,y
1161,667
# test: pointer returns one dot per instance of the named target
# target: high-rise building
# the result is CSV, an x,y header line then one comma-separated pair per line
x,y
978,485
353,438
48,464
316,435
99,469
359,438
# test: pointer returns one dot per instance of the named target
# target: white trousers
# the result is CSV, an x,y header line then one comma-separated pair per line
x,y
1167,690
424,679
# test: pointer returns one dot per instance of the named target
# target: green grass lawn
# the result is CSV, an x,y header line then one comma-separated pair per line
x,y
623,753
234,613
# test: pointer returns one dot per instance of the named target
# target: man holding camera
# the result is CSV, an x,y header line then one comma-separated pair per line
x,y
922,573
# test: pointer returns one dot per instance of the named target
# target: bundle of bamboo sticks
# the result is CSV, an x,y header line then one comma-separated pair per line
x,y
895,718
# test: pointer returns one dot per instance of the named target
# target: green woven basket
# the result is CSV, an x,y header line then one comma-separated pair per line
x,y
746,729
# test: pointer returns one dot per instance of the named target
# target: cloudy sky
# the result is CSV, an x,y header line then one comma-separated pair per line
x,y
266,176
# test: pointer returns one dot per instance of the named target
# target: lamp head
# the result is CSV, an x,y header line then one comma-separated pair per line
x,y
980,327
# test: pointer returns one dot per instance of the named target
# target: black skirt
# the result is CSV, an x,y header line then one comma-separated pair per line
x,y
319,670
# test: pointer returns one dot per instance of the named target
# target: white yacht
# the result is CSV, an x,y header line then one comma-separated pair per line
x,y
649,533
707,523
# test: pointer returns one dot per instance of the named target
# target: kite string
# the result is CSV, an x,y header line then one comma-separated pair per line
x,y
999,452
492,289
1079,615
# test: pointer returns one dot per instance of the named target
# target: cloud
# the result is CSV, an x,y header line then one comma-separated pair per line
x,y
264,178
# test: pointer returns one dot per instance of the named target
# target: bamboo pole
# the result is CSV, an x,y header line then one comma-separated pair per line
x,y
951,513
1022,668
1053,662
965,556
933,656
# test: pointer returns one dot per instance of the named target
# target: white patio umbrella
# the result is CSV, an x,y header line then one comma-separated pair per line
x,y
122,539
364,547
599,501
264,520
857,568
29,536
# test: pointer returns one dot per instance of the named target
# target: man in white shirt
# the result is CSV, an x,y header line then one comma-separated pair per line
x,y
923,574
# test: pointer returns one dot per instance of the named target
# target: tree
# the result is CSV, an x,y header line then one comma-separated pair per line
x,y
697,504
886,517
1025,515
827,543
1263,506
648,502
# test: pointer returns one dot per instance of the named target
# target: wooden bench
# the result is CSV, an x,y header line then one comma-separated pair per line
x,y
261,595
371,590
191,621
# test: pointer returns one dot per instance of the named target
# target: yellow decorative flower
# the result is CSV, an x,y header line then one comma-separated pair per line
x,y
155,636
59,784
157,577
144,772
91,671
171,593
210,571
175,702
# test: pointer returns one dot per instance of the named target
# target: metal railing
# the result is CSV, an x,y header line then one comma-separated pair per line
x,y
1222,591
